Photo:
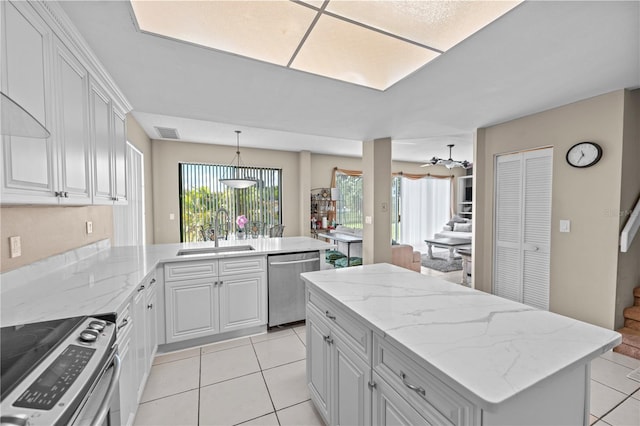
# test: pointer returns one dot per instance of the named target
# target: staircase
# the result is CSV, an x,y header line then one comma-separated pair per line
x,y
630,345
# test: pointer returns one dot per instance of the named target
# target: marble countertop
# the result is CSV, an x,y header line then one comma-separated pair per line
x,y
99,279
490,347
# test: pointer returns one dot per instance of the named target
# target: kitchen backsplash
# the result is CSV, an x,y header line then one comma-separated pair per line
x,y
47,231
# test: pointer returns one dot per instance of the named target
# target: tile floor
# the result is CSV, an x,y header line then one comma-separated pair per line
x,y
260,380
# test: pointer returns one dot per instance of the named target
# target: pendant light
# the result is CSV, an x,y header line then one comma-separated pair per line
x,y
238,182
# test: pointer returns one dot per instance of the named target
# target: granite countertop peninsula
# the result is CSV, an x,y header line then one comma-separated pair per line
x,y
492,348
99,279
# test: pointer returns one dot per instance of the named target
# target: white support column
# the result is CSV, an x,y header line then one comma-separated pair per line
x,y
376,168
304,170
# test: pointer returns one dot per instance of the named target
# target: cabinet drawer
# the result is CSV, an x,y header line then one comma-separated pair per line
x,y
357,335
241,265
187,270
438,403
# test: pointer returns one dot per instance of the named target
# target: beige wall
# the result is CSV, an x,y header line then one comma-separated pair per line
x,y
584,262
628,264
138,138
47,231
166,156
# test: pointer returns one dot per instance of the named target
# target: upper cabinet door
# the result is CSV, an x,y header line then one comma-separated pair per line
x,y
119,156
29,164
72,135
100,125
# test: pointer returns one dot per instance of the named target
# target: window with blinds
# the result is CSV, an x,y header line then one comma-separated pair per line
x,y
202,194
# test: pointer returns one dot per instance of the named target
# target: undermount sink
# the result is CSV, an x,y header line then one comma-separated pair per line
x,y
213,250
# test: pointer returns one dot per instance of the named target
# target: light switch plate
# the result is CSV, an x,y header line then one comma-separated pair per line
x,y
16,246
89,227
172,216
367,220
565,225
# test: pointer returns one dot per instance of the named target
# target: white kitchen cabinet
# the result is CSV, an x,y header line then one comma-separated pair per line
x,y
127,388
151,324
318,368
83,161
28,163
72,130
191,309
207,297
337,375
138,312
391,409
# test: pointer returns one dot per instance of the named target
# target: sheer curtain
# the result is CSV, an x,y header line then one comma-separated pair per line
x,y
424,208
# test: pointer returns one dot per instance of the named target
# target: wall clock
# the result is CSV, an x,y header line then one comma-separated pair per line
x,y
584,154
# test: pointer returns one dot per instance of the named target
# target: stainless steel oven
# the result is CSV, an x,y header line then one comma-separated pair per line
x,y
60,372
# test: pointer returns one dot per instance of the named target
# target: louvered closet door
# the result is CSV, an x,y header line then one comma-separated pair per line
x,y
523,227
507,275
537,228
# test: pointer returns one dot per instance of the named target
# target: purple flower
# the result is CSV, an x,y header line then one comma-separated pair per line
x,y
241,221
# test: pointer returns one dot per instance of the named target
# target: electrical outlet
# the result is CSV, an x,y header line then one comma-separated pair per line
x,y
172,216
368,220
89,227
16,246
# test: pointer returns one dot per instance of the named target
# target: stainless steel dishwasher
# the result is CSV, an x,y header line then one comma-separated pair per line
x,y
286,288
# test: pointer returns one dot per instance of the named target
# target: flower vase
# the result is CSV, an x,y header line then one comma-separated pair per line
x,y
241,234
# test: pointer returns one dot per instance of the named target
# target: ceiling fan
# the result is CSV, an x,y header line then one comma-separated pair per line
x,y
448,163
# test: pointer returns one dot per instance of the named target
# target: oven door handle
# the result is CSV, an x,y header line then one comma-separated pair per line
x,y
106,403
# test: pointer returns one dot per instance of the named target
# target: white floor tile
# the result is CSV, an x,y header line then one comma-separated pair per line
x,y
227,344
228,364
274,352
176,356
172,378
626,414
613,375
180,409
234,401
300,329
287,384
272,335
300,415
603,398
621,359
268,420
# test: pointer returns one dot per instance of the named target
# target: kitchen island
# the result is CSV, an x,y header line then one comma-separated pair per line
x,y
388,345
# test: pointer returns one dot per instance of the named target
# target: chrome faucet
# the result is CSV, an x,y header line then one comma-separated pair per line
x,y
216,226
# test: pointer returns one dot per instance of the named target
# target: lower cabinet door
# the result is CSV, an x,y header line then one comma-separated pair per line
x,y
318,364
191,309
138,344
389,408
127,388
350,396
242,301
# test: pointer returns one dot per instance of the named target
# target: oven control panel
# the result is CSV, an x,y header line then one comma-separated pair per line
x,y
57,387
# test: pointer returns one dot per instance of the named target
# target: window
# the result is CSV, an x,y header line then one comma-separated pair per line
x,y
349,208
202,194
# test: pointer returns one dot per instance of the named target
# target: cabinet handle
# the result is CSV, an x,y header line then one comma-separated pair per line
x,y
58,193
328,339
221,282
372,385
331,317
66,194
140,288
153,280
123,323
414,388
150,306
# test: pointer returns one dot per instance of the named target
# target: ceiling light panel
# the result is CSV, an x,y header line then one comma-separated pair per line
x,y
266,30
437,24
352,53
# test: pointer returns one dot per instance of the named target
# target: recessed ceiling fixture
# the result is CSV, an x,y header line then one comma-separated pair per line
x,y
237,181
369,43
448,163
